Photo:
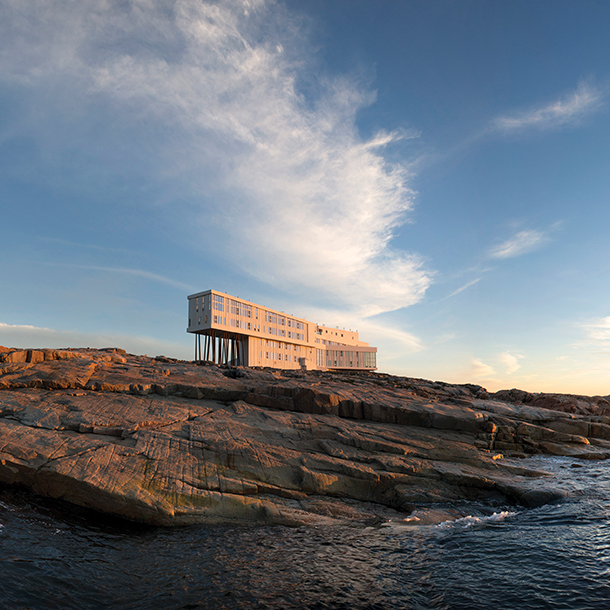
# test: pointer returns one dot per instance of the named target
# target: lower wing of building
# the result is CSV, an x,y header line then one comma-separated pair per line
x,y
230,330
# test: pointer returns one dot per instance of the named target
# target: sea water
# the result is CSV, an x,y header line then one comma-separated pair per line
x,y
54,556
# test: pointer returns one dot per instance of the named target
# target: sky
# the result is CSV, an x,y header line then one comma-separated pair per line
x,y
435,175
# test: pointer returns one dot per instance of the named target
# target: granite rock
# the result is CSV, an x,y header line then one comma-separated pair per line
x,y
170,442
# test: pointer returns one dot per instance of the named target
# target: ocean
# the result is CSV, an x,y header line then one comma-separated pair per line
x,y
55,556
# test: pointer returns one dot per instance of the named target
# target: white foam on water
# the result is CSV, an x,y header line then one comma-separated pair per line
x,y
471,521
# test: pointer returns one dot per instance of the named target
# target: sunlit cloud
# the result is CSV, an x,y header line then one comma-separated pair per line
x,y
511,361
573,107
479,370
302,201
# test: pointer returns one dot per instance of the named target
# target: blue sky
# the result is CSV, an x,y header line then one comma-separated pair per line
x,y
433,174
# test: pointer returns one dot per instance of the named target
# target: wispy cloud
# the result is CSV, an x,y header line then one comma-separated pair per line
x,y
524,242
597,331
521,243
301,200
573,107
147,275
462,288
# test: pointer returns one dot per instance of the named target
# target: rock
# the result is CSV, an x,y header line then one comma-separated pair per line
x,y
169,442
538,497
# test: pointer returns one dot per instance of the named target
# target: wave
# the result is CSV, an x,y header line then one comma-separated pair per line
x,y
470,521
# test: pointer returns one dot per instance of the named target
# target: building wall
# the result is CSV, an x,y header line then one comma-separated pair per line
x,y
275,339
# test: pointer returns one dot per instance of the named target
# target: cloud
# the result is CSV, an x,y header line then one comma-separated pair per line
x,y
521,243
598,330
154,277
26,336
584,100
300,200
479,369
387,339
511,361
462,288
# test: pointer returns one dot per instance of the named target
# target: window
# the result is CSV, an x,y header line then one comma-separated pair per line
x,y
235,308
218,302
319,357
246,310
368,360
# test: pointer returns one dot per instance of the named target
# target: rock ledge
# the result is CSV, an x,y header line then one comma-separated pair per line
x,y
170,442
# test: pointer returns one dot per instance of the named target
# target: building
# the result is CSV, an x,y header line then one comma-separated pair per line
x,y
229,330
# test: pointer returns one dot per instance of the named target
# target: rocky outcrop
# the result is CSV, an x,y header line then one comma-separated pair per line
x,y
568,403
169,442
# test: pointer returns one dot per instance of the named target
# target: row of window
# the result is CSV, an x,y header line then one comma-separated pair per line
x,y
235,323
242,309
278,356
346,358
243,324
274,318
280,345
237,308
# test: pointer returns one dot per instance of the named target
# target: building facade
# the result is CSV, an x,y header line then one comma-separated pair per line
x,y
229,330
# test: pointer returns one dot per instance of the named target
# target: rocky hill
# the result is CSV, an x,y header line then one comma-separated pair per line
x,y
171,442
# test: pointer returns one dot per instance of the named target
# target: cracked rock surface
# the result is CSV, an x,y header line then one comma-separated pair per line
x,y
170,442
